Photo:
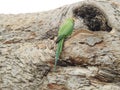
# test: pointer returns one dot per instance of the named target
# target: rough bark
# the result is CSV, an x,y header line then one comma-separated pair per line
x,y
90,59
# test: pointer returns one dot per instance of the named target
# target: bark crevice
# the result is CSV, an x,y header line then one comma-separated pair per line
x,y
93,17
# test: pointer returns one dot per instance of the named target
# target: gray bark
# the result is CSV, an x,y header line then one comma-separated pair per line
x,y
90,59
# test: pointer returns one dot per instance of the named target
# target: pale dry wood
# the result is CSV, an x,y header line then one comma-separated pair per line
x,y
90,59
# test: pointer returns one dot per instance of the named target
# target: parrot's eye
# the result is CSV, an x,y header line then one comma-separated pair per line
x,y
93,17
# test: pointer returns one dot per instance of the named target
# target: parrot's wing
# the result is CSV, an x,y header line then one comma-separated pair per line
x,y
60,38
63,27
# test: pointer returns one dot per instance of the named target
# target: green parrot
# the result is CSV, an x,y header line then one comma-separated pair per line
x,y
65,30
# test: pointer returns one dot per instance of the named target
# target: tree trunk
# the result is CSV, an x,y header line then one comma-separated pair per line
x,y
90,59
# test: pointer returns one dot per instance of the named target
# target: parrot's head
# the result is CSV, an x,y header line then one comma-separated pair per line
x,y
71,20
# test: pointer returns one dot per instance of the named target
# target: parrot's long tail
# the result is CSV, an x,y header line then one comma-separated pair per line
x,y
58,52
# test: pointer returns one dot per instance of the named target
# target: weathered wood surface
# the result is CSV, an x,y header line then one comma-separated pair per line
x,y
90,59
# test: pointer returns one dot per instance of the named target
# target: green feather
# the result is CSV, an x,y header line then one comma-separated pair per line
x,y
65,30
58,52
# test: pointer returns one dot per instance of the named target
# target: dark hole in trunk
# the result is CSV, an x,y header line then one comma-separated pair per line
x,y
93,17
